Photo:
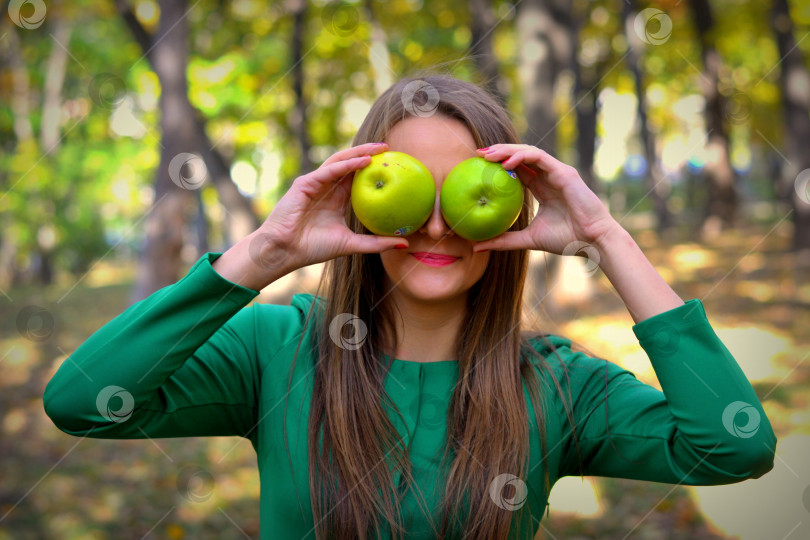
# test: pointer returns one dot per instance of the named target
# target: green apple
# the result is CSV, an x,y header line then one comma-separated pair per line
x,y
480,199
394,194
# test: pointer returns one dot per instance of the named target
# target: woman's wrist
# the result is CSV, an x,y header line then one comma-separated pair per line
x,y
254,262
640,286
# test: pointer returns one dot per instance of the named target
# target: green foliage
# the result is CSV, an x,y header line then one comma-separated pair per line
x,y
90,192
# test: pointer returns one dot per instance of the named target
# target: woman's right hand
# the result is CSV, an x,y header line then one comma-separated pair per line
x,y
307,225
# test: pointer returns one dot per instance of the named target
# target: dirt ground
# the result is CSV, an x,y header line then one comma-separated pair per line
x,y
56,486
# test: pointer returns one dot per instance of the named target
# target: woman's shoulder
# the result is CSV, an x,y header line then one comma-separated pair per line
x,y
558,354
549,347
285,321
299,306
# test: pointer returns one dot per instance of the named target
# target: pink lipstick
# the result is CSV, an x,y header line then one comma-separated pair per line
x,y
434,259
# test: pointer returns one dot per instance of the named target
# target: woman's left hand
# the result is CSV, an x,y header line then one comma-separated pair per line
x,y
569,211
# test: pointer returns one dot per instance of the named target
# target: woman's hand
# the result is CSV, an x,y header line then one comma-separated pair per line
x,y
569,211
307,225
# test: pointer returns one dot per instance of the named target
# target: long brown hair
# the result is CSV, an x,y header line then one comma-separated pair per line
x,y
350,485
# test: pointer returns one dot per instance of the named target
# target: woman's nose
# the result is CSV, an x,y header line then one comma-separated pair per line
x,y
435,226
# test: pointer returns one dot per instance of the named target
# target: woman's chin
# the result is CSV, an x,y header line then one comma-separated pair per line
x,y
430,290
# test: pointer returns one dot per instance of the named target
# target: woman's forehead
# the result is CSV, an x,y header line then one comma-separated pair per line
x,y
437,137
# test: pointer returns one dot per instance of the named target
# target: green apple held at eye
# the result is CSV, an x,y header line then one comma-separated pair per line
x,y
394,194
480,199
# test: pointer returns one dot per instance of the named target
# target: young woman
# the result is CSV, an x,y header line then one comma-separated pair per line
x,y
415,403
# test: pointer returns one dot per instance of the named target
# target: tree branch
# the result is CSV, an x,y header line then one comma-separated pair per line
x,y
140,34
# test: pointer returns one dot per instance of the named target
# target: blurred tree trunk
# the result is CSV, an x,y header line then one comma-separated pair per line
x,y
298,115
586,93
54,80
241,218
378,56
546,49
657,188
49,134
721,208
23,134
482,26
794,82
169,217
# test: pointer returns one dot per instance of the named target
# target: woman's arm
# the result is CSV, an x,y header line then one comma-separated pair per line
x,y
640,286
184,361
179,363
707,426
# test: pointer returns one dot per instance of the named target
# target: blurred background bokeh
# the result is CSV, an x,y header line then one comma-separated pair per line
x,y
135,135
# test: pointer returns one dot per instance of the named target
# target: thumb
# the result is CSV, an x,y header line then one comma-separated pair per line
x,y
367,243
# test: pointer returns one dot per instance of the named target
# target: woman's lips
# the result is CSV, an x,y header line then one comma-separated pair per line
x,y
434,259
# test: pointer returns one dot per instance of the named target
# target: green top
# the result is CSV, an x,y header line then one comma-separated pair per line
x,y
196,363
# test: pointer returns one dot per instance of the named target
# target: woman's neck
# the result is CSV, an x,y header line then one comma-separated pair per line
x,y
427,331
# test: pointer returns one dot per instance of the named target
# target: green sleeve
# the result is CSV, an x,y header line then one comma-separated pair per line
x,y
707,427
179,363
